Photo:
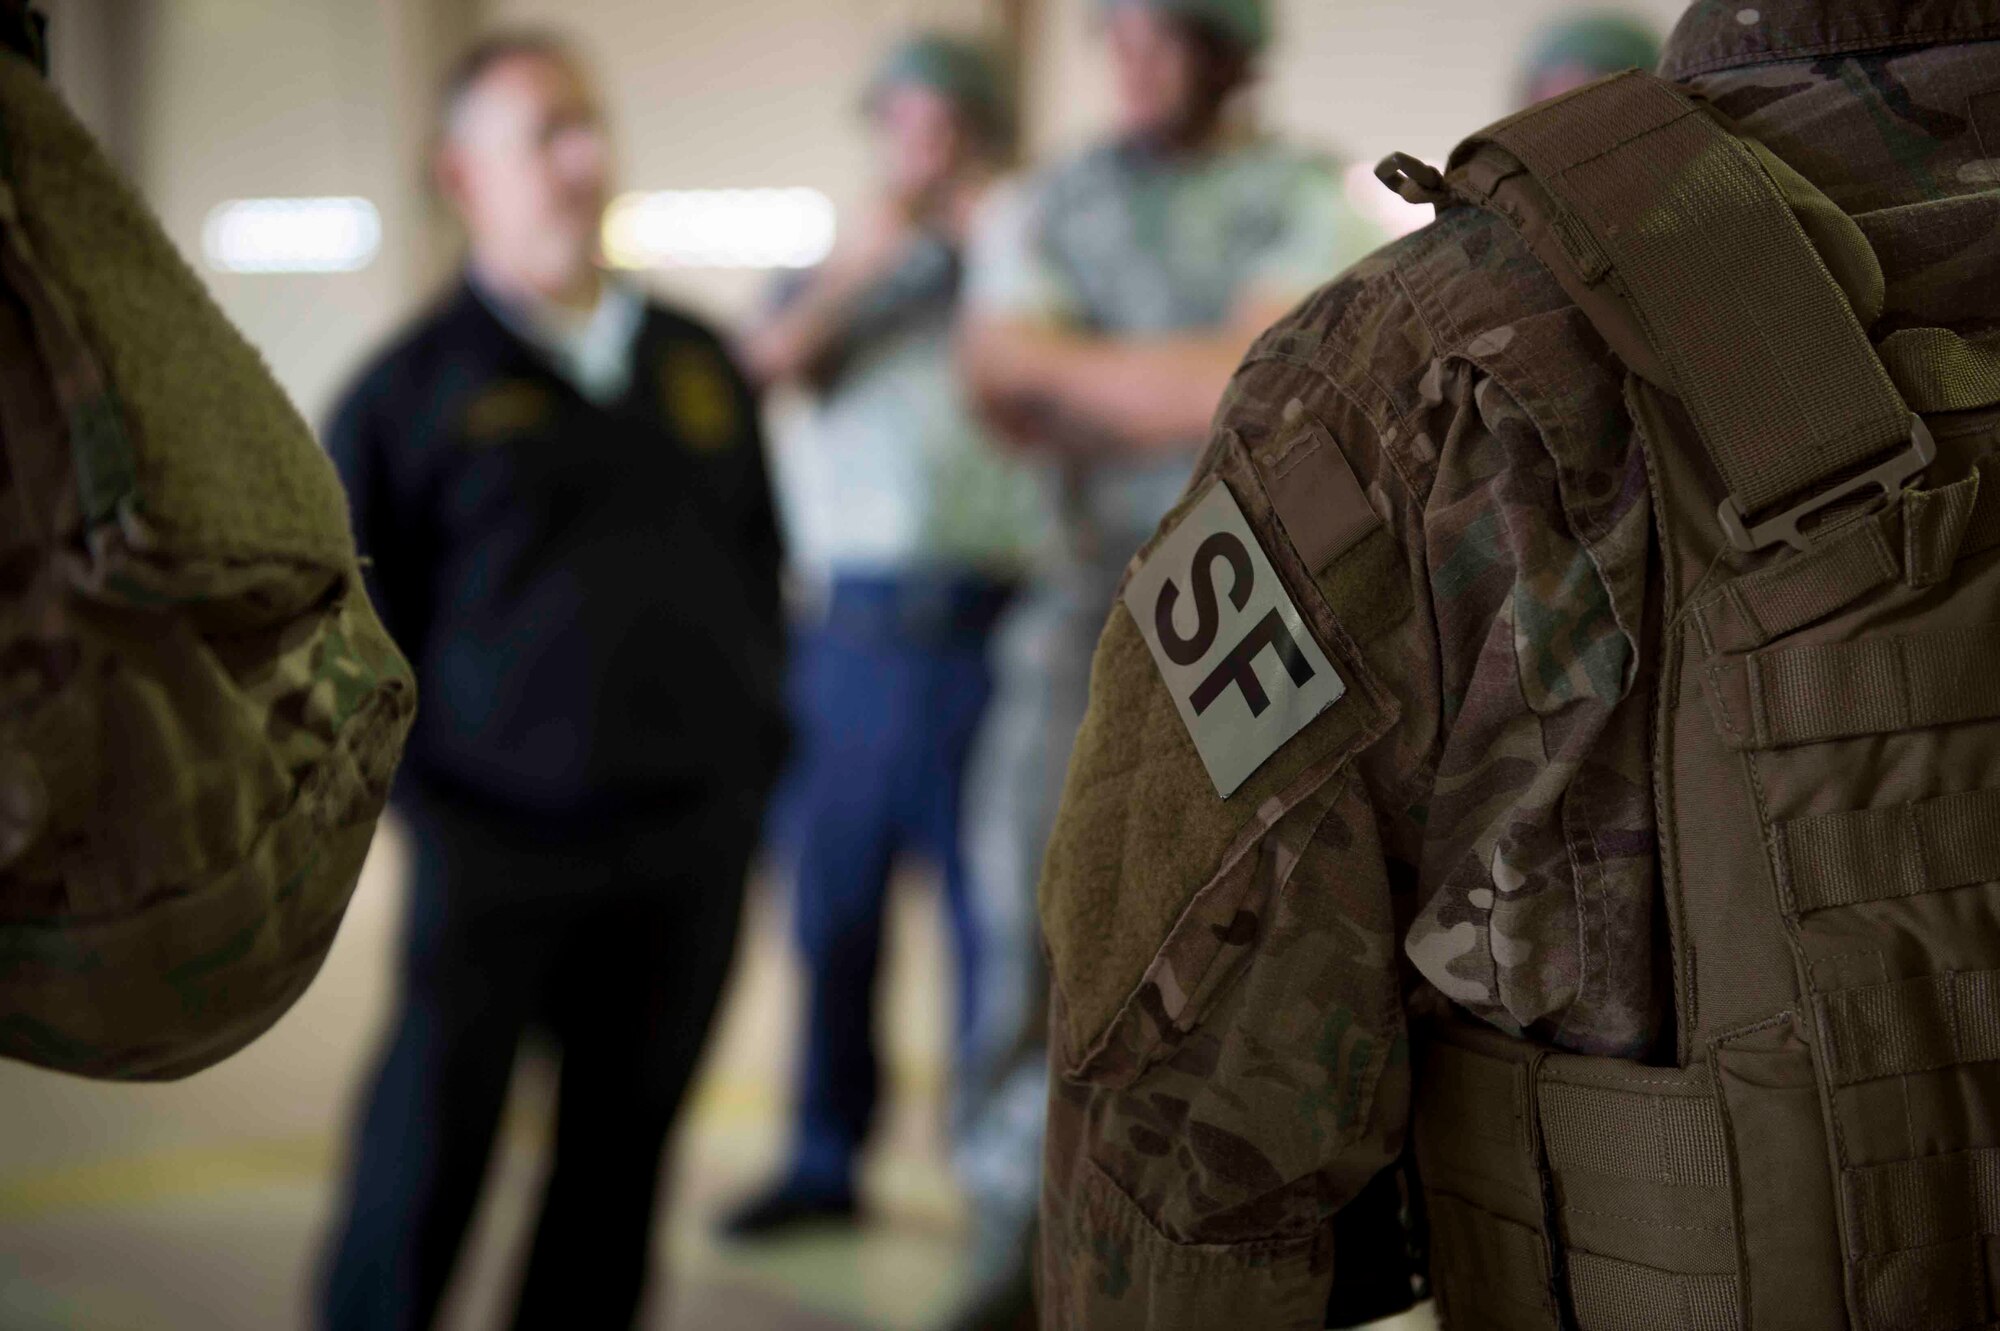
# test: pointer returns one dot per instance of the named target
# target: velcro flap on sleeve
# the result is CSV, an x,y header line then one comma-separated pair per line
x,y
1150,864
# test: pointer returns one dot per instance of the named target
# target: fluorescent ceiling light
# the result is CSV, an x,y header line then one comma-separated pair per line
x,y
334,235
719,228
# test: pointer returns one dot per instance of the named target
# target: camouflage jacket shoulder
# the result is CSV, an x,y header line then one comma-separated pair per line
x,y
1470,822
1484,416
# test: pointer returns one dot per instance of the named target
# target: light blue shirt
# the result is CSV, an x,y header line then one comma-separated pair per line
x,y
892,471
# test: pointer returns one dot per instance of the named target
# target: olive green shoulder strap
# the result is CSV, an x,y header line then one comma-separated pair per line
x,y
1677,240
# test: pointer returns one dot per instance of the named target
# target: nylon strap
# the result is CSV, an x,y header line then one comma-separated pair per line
x,y
1671,1139
1921,1228
1934,1021
1752,610
1759,339
1917,542
1941,1288
1902,850
1932,1199
1611,1295
1873,686
1937,370
1641,1174
1950,523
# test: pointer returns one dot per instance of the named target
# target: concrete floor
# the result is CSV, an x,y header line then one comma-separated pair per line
x,y
200,1205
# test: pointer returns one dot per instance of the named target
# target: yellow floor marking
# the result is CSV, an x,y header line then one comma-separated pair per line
x,y
724,1107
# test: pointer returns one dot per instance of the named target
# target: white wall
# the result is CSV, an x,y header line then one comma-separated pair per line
x,y
209,100
737,93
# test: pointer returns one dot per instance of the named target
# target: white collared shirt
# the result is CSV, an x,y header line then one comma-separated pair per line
x,y
593,351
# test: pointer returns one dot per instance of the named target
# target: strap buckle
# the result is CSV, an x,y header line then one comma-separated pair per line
x,y
1890,477
1414,179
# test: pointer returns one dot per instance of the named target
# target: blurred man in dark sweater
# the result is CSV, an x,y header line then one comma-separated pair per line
x,y
562,488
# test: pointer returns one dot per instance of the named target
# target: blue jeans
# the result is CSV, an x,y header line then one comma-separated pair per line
x,y
890,691
1042,651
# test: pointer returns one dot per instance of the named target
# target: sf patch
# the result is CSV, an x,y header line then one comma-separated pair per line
x,y
1230,644
697,393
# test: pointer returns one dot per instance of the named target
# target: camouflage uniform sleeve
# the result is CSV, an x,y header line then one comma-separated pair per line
x,y
1201,1194
1256,1079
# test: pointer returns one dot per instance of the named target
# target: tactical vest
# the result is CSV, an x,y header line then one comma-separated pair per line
x,y
199,712
1824,1150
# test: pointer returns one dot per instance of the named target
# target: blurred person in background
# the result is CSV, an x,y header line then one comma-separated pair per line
x,y
562,488
917,530
1570,52
1109,301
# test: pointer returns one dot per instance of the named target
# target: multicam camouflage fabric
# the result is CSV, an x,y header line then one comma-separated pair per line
x,y
1495,849
199,713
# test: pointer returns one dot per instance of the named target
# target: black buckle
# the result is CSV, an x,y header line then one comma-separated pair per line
x,y
1415,180
1889,477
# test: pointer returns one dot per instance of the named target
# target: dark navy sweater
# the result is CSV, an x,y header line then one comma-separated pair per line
x,y
589,593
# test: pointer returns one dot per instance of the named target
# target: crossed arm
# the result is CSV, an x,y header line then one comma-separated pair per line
x,y
1049,389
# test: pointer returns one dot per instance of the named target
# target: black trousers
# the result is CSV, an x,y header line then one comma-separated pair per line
x,y
620,942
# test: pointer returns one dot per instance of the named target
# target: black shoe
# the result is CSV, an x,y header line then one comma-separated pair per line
x,y
789,1206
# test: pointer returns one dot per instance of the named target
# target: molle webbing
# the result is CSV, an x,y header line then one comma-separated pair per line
x,y
1931,1218
1759,340
1640,1179
1616,1296
1936,370
1782,696
1916,542
1621,1169
1915,1025
1917,1203
1900,850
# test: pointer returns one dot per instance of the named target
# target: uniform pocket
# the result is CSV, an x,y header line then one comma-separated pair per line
x,y
1117,1269
1150,873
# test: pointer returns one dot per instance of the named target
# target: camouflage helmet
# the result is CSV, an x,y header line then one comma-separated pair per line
x,y
968,72
1603,42
1247,23
200,713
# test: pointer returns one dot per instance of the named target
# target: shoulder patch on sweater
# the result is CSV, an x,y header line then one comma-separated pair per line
x,y
695,392
1244,670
